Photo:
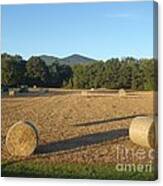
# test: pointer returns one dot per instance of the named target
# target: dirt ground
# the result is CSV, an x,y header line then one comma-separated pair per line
x,y
79,129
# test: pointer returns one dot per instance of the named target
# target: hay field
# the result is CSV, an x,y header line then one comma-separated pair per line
x,y
78,129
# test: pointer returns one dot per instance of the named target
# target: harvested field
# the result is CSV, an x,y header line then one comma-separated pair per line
x,y
78,129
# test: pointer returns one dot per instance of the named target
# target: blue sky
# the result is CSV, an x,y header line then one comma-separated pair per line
x,y
97,30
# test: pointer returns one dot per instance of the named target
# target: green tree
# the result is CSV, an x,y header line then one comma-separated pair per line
x,y
148,69
37,71
13,70
128,73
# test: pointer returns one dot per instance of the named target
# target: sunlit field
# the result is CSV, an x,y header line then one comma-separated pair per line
x,y
78,132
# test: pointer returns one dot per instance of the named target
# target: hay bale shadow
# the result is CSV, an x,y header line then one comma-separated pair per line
x,y
78,142
110,120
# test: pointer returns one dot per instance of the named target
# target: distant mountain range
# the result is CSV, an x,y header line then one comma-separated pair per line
x,y
70,60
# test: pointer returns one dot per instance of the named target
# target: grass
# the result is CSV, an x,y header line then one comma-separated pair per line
x,y
67,170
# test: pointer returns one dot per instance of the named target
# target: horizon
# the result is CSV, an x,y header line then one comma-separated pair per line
x,y
119,29
82,55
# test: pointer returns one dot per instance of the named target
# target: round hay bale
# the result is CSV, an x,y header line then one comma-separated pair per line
x,y
122,93
142,131
44,90
23,89
92,89
21,139
84,93
12,93
34,86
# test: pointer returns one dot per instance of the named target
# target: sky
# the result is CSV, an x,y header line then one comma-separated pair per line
x,y
97,30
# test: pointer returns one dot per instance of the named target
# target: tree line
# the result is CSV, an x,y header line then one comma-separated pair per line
x,y
115,73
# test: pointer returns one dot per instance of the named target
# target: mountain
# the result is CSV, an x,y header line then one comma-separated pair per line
x,y
70,60
77,59
49,59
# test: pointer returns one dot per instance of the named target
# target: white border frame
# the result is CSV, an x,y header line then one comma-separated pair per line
x,y
85,182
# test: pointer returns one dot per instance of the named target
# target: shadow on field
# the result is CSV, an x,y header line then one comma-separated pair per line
x,y
73,143
98,122
89,139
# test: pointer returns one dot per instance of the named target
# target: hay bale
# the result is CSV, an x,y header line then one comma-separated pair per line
x,y
44,90
23,89
12,93
84,93
142,131
34,86
21,139
92,89
122,93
